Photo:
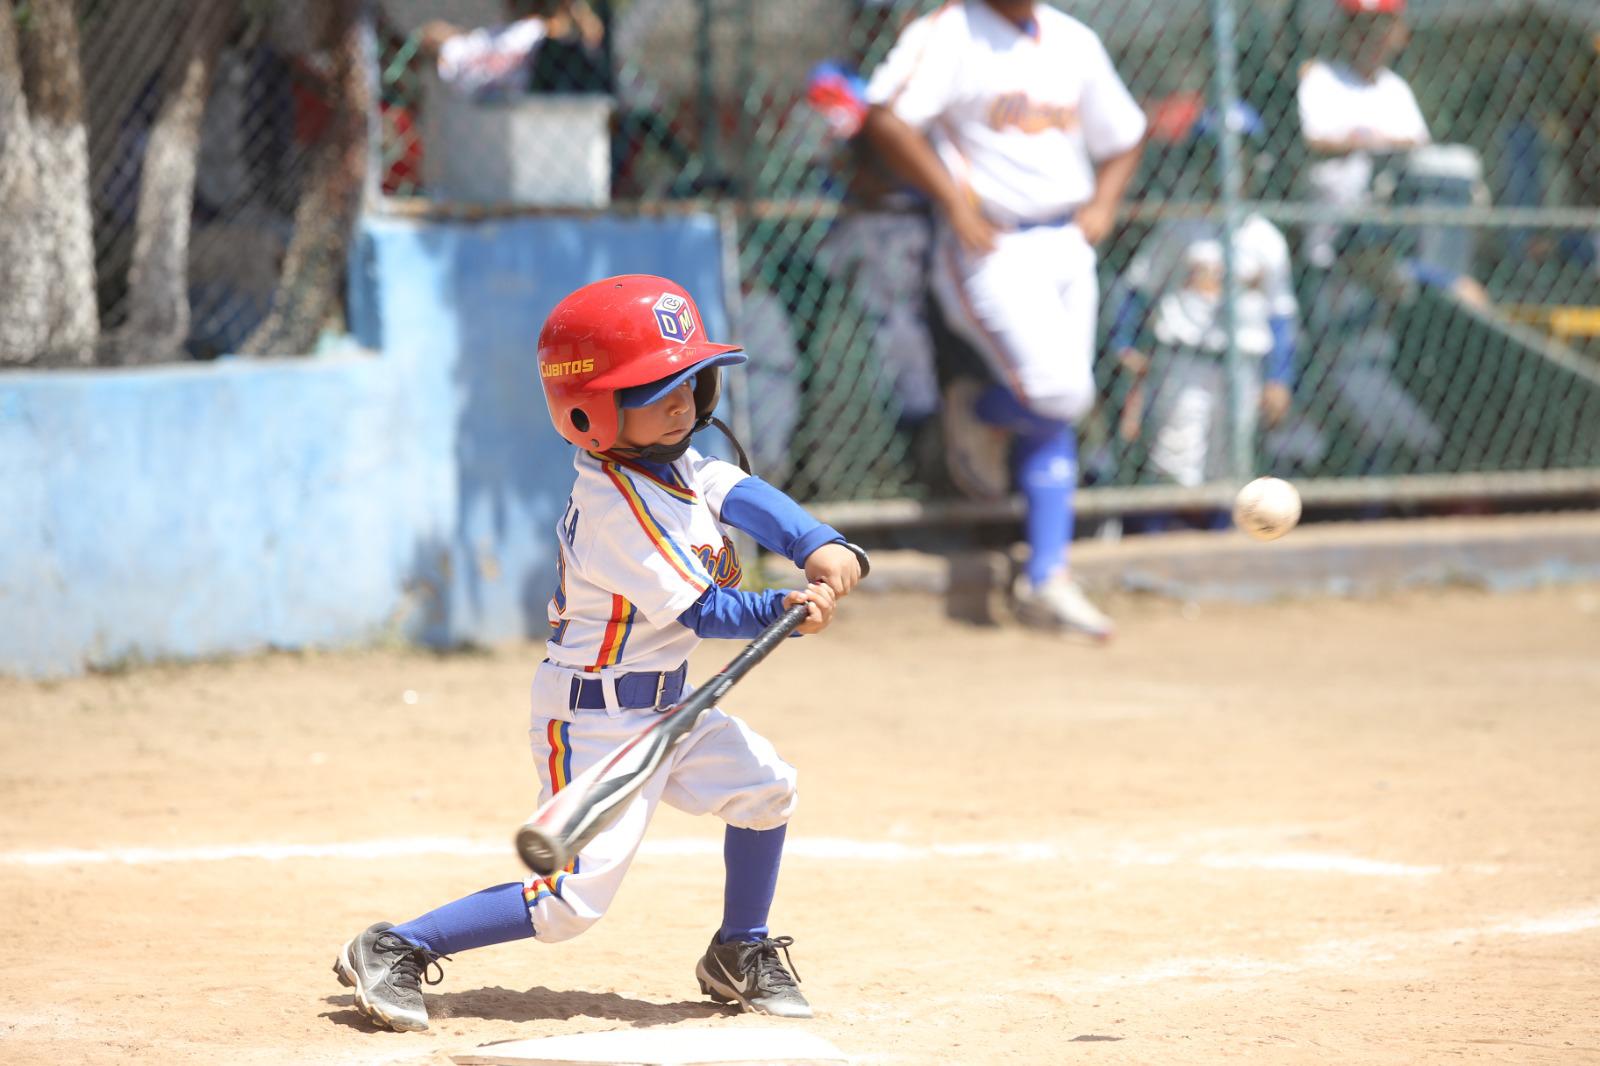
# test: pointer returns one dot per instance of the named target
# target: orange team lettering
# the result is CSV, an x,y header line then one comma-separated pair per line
x,y
1030,116
722,564
573,366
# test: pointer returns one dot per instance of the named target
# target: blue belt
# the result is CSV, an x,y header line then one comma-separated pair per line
x,y
648,688
1046,223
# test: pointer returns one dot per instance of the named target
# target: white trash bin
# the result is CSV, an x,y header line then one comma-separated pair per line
x,y
1444,175
542,149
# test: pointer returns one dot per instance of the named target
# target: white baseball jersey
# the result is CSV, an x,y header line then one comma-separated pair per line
x,y
1018,117
636,551
1180,267
1336,104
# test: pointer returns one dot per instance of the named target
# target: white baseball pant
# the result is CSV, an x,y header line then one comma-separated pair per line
x,y
1029,306
721,767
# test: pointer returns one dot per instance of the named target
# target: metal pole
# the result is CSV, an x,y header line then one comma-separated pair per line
x,y
705,57
372,68
1242,421
749,100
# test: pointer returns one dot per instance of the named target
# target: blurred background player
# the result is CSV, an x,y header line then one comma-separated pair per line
x,y
1354,111
880,244
1010,117
1369,142
646,572
1169,328
543,46
1357,314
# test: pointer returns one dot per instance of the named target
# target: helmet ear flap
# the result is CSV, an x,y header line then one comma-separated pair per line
x,y
707,391
593,424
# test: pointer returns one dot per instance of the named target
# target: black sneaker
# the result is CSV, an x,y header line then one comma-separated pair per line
x,y
748,972
386,971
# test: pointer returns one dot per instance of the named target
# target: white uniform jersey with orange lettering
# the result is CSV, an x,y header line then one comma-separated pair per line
x,y
636,551
1019,116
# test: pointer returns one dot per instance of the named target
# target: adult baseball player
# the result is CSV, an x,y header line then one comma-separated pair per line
x,y
645,572
1009,115
879,245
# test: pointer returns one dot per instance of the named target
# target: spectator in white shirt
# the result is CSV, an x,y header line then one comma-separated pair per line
x,y
1353,108
501,60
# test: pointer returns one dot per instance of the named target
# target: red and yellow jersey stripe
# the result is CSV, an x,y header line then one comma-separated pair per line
x,y
678,558
672,484
615,640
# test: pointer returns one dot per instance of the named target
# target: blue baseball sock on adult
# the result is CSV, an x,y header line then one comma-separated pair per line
x,y
751,858
1046,454
494,916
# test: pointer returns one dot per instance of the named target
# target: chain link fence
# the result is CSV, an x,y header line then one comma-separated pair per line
x,y
1446,295
180,176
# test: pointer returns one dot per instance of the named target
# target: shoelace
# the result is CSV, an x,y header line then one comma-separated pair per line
x,y
414,962
770,973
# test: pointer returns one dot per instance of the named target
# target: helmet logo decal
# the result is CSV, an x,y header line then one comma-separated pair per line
x,y
673,318
572,366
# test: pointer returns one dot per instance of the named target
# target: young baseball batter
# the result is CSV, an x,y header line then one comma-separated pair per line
x,y
1010,116
645,573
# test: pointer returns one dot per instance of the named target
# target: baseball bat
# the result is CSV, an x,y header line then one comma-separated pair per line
x,y
596,798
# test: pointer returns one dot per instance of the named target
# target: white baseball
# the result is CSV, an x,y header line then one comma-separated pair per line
x,y
1267,508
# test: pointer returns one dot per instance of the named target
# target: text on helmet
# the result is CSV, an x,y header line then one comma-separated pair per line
x,y
571,366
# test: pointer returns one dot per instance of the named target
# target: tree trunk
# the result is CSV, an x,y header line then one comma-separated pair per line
x,y
53,86
310,289
158,279
23,285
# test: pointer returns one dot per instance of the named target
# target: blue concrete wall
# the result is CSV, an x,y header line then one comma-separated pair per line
x,y
202,509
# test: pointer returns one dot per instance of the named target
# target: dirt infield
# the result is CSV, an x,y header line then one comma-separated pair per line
x,y
1355,832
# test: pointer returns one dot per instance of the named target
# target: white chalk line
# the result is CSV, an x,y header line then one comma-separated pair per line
x,y
1353,954
831,849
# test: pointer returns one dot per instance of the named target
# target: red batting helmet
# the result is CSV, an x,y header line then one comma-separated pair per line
x,y
1374,7
612,337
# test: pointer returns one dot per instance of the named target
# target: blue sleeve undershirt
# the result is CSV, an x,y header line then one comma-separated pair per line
x,y
779,525
724,613
1129,321
776,522
1280,360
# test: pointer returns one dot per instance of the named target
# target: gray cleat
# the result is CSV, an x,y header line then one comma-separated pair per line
x,y
748,972
386,970
1059,604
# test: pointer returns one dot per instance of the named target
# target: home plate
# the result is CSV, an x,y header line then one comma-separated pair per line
x,y
659,1047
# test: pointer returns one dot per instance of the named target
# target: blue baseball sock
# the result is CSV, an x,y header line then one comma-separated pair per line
x,y
751,857
493,916
1047,469
1046,455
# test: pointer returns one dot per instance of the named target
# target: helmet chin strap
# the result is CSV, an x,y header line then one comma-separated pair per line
x,y
660,453
671,453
